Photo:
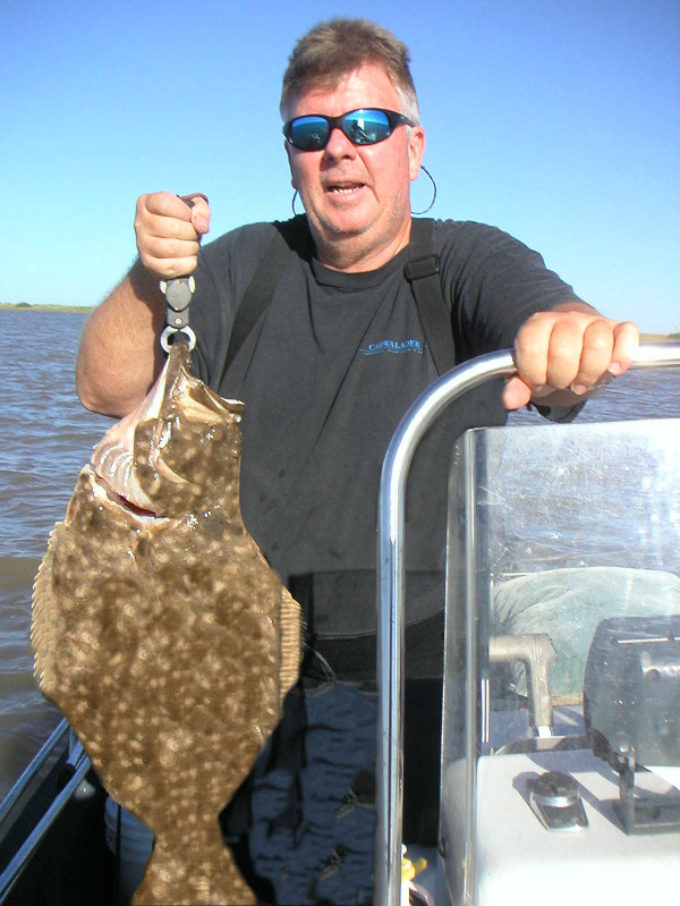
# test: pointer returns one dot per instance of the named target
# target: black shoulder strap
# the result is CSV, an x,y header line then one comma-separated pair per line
x,y
291,235
422,272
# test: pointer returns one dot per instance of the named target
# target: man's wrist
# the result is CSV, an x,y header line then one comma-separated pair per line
x,y
145,285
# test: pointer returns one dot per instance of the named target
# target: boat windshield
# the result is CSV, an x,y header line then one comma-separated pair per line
x,y
553,547
562,662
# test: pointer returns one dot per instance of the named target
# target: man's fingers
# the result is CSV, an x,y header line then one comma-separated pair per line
x,y
164,247
164,204
200,211
174,207
531,350
565,349
169,232
162,227
626,342
516,394
568,350
596,352
607,350
167,268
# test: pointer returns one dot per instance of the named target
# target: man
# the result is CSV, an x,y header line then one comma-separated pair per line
x,y
326,373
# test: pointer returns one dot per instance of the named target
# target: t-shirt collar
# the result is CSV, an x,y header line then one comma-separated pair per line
x,y
326,276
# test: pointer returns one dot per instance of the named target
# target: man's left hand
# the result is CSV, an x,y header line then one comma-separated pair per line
x,y
565,354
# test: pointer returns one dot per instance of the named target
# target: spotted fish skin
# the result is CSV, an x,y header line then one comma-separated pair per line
x,y
163,635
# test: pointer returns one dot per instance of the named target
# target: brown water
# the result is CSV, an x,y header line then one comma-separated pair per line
x,y
47,437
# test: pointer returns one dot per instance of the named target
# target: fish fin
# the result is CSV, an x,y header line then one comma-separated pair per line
x,y
291,642
42,622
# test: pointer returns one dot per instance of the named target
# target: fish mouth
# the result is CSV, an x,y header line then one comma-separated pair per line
x,y
137,511
122,501
113,470
112,465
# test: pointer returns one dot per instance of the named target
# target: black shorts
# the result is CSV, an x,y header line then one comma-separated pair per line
x,y
302,827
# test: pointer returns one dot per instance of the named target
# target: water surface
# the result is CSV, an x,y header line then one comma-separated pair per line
x,y
47,437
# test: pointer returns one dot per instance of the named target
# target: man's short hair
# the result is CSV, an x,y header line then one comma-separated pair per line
x,y
335,48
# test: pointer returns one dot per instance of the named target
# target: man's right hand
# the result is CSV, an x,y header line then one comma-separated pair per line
x,y
169,232
120,354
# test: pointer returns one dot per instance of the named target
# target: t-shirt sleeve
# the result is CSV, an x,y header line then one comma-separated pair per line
x,y
493,283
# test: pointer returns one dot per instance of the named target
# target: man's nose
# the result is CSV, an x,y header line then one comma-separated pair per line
x,y
338,144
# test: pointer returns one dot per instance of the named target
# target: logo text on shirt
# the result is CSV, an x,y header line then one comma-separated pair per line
x,y
397,347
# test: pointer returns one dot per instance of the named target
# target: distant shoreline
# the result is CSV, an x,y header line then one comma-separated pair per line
x,y
26,306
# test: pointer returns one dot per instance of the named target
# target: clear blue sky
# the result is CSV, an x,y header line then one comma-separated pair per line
x,y
557,121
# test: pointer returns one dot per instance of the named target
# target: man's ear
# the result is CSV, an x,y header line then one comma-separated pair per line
x,y
416,151
289,155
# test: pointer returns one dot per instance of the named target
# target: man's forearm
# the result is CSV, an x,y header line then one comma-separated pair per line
x,y
120,354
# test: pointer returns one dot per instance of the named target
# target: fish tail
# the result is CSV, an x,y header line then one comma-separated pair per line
x,y
208,876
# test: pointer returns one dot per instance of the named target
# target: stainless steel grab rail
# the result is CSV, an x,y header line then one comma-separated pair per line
x,y
390,590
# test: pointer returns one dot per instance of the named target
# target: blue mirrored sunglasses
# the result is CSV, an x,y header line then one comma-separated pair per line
x,y
367,126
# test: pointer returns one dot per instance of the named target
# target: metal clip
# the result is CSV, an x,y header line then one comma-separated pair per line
x,y
178,294
169,334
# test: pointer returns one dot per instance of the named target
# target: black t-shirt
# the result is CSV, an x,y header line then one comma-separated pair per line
x,y
326,375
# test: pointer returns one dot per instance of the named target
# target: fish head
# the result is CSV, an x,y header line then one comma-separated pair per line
x,y
176,454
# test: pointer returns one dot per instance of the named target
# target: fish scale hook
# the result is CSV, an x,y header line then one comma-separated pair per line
x,y
178,294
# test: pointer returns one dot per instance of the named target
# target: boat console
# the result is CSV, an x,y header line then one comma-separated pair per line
x,y
561,741
560,752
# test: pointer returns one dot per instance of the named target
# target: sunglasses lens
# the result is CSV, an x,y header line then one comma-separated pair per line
x,y
309,133
366,127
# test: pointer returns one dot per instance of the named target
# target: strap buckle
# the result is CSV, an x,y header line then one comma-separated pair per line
x,y
418,268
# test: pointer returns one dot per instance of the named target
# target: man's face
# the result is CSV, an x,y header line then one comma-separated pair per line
x,y
357,196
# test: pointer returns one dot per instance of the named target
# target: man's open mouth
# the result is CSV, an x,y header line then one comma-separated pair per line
x,y
345,188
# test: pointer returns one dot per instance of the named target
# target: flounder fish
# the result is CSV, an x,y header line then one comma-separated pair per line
x,y
161,632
